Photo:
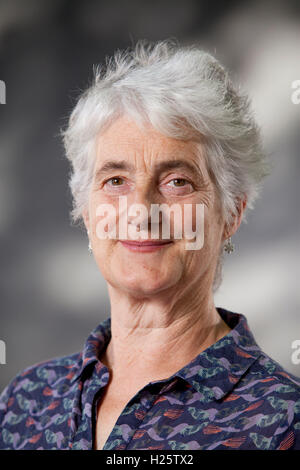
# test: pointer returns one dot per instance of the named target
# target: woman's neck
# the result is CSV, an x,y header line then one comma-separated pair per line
x,y
158,337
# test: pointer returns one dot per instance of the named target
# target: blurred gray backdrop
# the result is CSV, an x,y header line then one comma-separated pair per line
x,y
52,294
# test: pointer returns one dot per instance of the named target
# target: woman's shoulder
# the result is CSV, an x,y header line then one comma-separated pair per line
x,y
37,395
269,380
40,379
268,367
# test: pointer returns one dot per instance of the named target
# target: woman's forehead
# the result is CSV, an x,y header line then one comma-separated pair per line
x,y
125,140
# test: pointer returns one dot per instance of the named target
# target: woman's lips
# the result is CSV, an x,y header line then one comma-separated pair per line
x,y
145,245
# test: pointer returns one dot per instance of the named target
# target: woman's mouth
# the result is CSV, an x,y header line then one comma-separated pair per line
x,y
145,246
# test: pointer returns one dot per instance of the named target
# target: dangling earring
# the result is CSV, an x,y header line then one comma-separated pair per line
x,y
90,246
229,246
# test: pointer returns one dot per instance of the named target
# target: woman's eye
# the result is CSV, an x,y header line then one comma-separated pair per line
x,y
116,181
179,182
116,184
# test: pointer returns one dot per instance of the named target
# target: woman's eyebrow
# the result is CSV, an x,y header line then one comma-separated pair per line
x,y
177,164
159,167
113,165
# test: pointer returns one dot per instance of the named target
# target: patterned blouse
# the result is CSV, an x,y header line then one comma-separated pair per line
x,y
231,396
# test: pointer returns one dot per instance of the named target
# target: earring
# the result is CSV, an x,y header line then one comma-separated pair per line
x,y
229,246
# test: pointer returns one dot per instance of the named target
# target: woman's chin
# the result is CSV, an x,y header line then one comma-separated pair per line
x,y
145,286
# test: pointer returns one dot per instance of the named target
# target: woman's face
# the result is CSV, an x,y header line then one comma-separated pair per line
x,y
147,167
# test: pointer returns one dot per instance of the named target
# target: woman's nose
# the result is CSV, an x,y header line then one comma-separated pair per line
x,y
139,204
145,193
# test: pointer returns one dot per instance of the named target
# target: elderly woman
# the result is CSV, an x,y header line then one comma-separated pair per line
x,y
161,127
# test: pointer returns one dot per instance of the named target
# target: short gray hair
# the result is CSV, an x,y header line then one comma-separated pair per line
x,y
184,92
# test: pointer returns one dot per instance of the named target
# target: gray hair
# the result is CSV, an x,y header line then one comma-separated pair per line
x,y
184,92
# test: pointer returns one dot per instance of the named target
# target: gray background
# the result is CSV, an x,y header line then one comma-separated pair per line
x,y
52,294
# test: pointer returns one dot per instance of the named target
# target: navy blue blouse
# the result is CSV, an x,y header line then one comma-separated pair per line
x,y
231,396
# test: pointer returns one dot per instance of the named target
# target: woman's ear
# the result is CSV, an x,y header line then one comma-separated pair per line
x,y
86,220
231,228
